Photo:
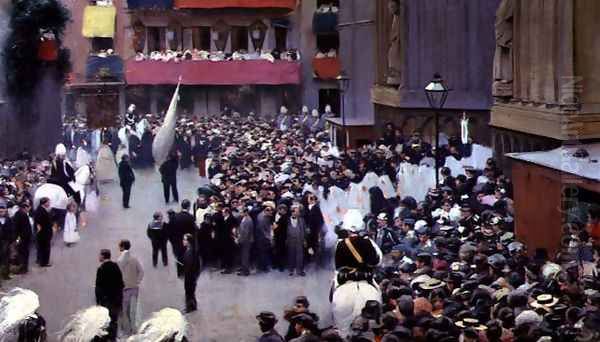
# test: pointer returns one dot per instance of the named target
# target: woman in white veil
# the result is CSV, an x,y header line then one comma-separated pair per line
x,y
106,169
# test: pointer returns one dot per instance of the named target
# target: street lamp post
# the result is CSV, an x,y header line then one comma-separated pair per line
x,y
436,93
343,84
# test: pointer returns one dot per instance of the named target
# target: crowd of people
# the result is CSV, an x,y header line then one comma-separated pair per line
x,y
451,267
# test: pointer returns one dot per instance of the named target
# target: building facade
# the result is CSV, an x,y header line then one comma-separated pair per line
x,y
357,29
418,38
546,90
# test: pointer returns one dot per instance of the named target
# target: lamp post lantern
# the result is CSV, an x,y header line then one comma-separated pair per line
x,y
343,84
436,93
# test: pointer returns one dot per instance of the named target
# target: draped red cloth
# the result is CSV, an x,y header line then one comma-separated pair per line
x,y
327,68
48,50
260,72
287,4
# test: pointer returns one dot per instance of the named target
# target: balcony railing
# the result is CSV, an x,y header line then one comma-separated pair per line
x,y
210,4
149,4
252,72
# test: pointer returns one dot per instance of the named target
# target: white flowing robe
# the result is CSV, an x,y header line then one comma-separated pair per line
x,y
106,169
83,158
70,235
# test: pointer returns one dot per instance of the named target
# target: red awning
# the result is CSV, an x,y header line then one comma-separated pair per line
x,y
213,73
285,4
327,68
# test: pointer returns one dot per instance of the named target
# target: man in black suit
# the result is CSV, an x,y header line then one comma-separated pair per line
x,y
126,177
184,224
7,236
184,220
24,234
191,271
109,290
44,225
168,172
200,152
314,222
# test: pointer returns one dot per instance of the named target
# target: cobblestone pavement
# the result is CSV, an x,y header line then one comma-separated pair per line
x,y
227,303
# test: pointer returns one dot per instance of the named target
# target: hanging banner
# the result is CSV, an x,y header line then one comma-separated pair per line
x,y
99,21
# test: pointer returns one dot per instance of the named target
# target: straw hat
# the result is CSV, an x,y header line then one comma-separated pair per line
x,y
432,284
471,323
544,301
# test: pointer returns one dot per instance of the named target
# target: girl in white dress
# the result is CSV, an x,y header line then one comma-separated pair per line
x,y
71,233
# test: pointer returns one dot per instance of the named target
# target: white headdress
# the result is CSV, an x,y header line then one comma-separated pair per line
x,y
86,324
283,110
328,109
163,324
315,113
60,150
353,221
304,109
18,305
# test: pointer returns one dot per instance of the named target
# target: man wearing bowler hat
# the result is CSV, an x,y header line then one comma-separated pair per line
x,y
266,322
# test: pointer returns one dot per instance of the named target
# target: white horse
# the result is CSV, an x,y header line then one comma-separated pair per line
x,y
349,299
141,127
58,196
83,178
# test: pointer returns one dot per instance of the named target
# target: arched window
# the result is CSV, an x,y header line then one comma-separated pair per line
x,y
139,36
258,32
220,35
173,36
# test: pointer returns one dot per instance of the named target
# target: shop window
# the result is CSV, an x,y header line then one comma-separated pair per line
x,y
101,44
239,38
281,38
258,32
327,42
156,39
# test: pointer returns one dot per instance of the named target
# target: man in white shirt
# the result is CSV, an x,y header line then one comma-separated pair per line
x,y
133,273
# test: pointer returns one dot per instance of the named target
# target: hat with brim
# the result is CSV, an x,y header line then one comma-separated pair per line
x,y
544,301
446,228
432,284
267,317
470,323
269,204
